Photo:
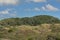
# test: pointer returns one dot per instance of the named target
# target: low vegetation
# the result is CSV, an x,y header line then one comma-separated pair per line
x,y
41,27
33,21
26,32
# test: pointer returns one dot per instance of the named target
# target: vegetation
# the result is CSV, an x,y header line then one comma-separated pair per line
x,y
33,21
41,27
26,32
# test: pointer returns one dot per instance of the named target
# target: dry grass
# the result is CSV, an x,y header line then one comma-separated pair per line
x,y
26,32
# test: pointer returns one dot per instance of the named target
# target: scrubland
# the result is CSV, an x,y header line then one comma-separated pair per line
x,y
27,32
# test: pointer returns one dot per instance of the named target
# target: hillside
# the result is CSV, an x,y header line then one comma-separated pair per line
x,y
26,32
42,27
36,20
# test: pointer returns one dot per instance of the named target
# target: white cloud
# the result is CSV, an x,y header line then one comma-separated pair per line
x,y
14,15
33,9
7,11
36,0
6,2
4,12
37,9
52,8
43,8
49,8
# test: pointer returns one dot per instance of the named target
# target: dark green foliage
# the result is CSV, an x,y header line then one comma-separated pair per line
x,y
10,31
30,39
36,20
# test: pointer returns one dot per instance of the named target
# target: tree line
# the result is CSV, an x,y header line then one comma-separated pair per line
x,y
33,21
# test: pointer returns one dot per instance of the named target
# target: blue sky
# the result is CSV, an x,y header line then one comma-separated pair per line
x,y
28,8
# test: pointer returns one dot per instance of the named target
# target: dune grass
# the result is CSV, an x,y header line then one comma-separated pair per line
x,y
26,32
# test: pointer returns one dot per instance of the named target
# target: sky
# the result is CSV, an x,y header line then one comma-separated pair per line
x,y
29,8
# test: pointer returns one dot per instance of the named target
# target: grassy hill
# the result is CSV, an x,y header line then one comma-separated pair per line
x,y
42,27
36,20
26,32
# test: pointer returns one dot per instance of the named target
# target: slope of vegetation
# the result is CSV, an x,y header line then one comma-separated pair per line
x,y
41,27
26,32
36,20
